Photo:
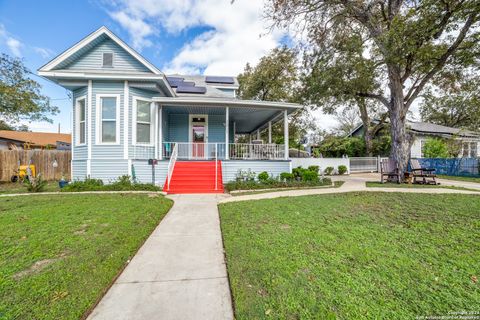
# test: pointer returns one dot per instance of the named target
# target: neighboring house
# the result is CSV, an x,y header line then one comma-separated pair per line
x,y
127,111
18,140
469,140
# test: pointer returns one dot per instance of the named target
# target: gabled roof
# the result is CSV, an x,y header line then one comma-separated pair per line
x,y
428,128
88,40
36,138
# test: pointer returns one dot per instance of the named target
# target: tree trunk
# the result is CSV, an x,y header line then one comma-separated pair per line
x,y
367,130
400,139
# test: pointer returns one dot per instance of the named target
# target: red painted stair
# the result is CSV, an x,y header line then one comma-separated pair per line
x,y
195,177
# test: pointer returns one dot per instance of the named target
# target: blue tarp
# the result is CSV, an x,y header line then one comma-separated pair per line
x,y
453,166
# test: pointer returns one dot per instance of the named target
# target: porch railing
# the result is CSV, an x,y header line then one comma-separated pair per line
x,y
212,151
249,151
171,165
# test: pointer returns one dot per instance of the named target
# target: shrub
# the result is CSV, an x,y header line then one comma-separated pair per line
x,y
298,172
314,168
310,176
263,176
36,184
123,183
435,148
286,176
329,170
273,183
342,169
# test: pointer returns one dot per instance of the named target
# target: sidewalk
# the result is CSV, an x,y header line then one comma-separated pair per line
x,y
179,273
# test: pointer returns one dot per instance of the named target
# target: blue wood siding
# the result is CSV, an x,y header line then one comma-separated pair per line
x,y
79,169
274,168
216,130
93,59
143,171
109,170
79,152
177,127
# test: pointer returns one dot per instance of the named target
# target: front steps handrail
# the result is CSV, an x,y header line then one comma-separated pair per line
x,y
171,165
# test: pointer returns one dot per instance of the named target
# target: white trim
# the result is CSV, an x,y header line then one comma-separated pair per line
x,y
285,134
106,73
98,132
160,131
216,102
76,125
155,128
72,116
227,132
85,41
269,131
190,117
134,122
129,169
90,124
126,108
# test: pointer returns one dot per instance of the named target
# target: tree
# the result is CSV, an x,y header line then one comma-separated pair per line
x,y
5,126
393,49
20,96
275,78
337,147
347,119
454,104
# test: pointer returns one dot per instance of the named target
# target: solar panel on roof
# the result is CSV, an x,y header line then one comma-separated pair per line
x,y
191,89
175,84
223,80
175,79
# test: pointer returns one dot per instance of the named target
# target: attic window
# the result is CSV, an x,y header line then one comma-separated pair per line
x,y
108,59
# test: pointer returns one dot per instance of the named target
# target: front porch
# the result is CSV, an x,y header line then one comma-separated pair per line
x,y
202,130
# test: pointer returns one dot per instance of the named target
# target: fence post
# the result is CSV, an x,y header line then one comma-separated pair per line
x,y
379,160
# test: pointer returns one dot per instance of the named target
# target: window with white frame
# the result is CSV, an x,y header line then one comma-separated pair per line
x,y
143,122
80,121
473,149
108,120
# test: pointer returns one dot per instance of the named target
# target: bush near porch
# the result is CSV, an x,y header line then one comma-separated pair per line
x,y
300,177
353,256
59,253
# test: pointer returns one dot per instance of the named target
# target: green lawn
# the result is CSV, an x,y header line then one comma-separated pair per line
x,y
353,256
467,179
58,254
376,184
8,187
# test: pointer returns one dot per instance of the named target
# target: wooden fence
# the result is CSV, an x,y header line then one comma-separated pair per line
x,y
42,159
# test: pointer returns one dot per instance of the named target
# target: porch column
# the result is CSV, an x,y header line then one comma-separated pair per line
x,y
227,131
153,106
269,131
160,131
258,134
285,132
234,130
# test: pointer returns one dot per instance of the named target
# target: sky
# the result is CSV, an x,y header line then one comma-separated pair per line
x,y
214,37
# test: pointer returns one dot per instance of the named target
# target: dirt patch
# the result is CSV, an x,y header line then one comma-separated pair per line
x,y
285,227
82,230
37,267
153,195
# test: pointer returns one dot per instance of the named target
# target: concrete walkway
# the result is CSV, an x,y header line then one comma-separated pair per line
x,y
179,273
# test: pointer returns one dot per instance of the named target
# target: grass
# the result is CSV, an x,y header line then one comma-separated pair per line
x,y
59,253
458,178
353,256
376,184
9,188
336,184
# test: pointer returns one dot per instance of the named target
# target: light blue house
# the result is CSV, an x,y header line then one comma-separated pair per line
x,y
126,111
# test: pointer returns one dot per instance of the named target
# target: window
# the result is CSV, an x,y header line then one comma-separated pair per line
x,y
108,120
143,122
108,59
80,120
465,150
473,150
